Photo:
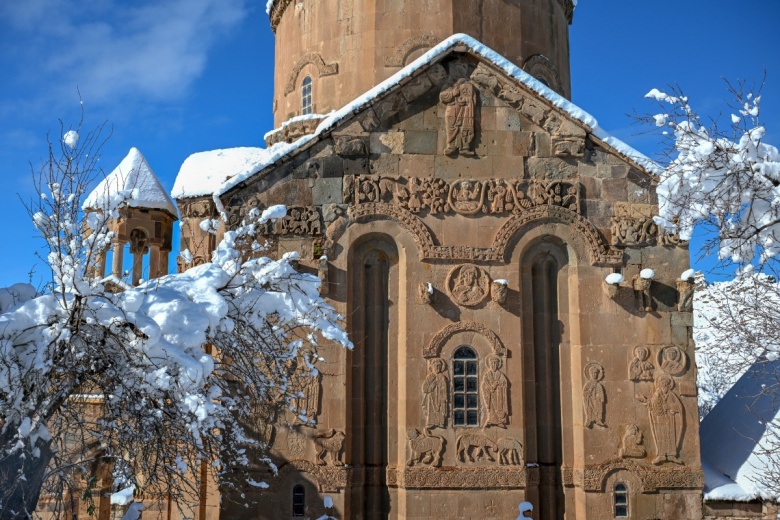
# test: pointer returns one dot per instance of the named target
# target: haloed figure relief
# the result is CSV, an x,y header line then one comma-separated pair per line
x,y
631,445
594,396
640,371
435,394
666,420
461,101
307,383
495,394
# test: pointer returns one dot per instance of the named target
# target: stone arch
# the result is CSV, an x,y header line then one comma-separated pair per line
x,y
404,218
310,58
402,51
436,344
588,243
540,67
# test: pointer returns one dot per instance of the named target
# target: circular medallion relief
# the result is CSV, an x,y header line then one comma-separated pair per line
x,y
673,360
468,285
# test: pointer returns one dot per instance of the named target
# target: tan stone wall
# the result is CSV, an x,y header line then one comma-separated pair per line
x,y
349,46
383,177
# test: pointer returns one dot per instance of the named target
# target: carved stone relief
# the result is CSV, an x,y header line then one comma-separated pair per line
x,y
495,393
307,388
633,225
594,396
685,288
631,443
322,274
460,101
640,371
673,360
425,292
436,391
643,292
539,66
464,197
330,442
666,420
510,452
197,209
350,146
498,291
474,447
300,220
296,443
425,448
468,284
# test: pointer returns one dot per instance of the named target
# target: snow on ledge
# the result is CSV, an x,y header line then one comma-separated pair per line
x,y
203,173
279,150
306,117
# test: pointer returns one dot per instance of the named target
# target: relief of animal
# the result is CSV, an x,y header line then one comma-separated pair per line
x,y
426,448
509,451
329,442
474,446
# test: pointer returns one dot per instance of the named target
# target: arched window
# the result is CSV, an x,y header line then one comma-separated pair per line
x,y
465,388
299,500
306,101
621,501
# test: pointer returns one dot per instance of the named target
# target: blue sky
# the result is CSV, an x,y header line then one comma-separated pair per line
x,y
175,77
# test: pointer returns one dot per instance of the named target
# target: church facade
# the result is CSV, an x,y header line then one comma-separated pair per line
x,y
521,330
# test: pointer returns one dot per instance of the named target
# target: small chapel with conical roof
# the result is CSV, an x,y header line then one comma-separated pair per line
x,y
521,332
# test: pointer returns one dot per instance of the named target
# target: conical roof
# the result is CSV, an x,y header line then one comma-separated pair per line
x,y
137,183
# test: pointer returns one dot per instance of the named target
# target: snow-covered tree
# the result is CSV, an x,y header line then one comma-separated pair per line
x,y
151,383
723,180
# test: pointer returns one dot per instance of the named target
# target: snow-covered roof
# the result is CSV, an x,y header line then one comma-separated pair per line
x,y
734,435
135,177
282,149
203,173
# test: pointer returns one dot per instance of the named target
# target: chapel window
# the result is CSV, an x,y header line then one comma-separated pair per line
x,y
621,501
465,387
306,98
298,500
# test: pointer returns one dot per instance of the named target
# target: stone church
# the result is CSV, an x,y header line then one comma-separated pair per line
x,y
463,216
521,328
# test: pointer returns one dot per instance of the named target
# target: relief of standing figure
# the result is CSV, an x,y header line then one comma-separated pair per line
x,y
666,420
435,392
594,396
495,394
461,100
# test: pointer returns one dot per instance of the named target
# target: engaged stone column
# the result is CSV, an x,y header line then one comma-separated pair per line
x,y
116,261
154,262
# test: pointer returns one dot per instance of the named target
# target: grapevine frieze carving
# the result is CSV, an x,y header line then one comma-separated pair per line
x,y
427,477
464,197
329,479
652,478
437,342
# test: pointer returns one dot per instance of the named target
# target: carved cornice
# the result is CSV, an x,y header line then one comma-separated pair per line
x,y
310,58
567,5
437,342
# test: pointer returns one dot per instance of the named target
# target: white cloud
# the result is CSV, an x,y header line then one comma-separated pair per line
x,y
113,50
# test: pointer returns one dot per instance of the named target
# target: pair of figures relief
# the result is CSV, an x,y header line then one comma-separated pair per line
x,y
655,388
494,387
